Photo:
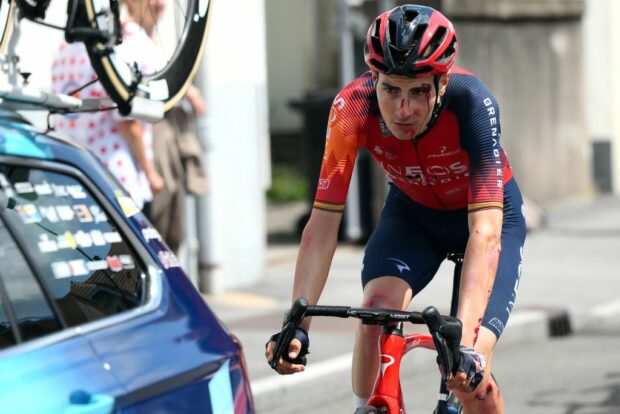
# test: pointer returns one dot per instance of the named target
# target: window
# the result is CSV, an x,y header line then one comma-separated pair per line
x,y
22,293
7,336
75,248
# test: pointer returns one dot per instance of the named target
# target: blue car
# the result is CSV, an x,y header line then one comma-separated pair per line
x,y
96,315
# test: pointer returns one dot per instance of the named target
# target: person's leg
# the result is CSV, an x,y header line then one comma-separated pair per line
x,y
384,292
399,261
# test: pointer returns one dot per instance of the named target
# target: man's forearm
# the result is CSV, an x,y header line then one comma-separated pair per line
x,y
477,279
316,252
133,132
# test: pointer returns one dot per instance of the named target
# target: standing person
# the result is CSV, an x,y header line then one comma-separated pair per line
x,y
178,158
124,145
434,129
177,153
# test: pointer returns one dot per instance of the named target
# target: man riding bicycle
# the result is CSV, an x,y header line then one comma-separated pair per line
x,y
434,129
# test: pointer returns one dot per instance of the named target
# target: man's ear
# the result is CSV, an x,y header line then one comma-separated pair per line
x,y
443,83
375,76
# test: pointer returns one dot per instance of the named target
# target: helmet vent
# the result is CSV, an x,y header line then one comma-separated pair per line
x,y
435,42
449,53
381,66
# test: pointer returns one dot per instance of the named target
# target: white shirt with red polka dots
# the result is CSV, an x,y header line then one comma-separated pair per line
x,y
98,131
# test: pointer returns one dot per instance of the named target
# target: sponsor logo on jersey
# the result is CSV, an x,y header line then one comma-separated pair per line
x,y
444,152
323,184
495,135
380,151
400,265
432,174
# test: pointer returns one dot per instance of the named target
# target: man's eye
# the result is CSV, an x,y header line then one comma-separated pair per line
x,y
391,90
421,90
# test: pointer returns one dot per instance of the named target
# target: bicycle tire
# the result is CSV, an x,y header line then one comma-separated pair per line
x,y
7,8
169,84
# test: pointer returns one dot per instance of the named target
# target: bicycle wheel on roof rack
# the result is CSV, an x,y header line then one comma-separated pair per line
x,y
6,23
179,31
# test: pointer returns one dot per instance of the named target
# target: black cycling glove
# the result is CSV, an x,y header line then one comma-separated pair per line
x,y
302,336
467,363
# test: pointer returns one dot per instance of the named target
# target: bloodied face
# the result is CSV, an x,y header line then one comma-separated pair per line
x,y
406,104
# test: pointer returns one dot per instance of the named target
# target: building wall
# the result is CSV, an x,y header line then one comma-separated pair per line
x,y
530,56
291,52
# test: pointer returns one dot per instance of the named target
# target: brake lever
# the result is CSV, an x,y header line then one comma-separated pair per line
x,y
291,322
446,337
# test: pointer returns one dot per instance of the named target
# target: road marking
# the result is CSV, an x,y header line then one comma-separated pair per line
x,y
242,300
312,372
606,310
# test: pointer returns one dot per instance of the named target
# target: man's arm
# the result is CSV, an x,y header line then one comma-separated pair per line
x,y
479,267
316,251
132,131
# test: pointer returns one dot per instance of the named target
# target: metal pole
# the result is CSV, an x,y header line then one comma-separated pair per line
x,y
353,225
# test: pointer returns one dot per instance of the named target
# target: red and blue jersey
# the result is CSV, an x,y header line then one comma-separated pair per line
x,y
458,163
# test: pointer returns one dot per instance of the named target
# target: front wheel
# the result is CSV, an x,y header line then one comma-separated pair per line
x,y
179,34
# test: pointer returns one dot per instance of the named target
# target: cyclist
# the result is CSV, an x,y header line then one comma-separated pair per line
x,y
434,129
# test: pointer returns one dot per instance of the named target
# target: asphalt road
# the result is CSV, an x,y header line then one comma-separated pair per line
x,y
570,268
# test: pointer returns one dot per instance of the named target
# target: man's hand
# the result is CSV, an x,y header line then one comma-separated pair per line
x,y
155,180
470,371
295,361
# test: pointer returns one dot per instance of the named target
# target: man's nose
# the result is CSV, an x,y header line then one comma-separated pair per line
x,y
404,109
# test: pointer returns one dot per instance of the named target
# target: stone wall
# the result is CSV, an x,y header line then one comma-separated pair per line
x,y
528,53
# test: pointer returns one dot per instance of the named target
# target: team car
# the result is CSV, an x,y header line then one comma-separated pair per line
x,y
96,314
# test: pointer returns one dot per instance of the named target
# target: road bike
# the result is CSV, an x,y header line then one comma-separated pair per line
x,y
387,397
444,336
97,23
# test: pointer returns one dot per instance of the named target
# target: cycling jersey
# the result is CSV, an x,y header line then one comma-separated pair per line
x,y
458,163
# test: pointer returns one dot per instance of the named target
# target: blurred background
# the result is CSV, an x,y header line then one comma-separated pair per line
x,y
272,68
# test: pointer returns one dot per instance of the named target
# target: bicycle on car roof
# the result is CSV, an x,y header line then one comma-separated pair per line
x,y
181,33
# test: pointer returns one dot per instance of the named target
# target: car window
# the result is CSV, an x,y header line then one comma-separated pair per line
x,y
7,336
72,243
28,305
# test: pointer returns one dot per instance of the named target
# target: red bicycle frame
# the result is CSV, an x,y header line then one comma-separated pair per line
x,y
393,346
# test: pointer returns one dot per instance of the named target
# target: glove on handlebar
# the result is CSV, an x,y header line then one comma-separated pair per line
x,y
302,336
467,364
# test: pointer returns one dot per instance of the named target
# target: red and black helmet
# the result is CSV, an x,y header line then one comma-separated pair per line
x,y
411,41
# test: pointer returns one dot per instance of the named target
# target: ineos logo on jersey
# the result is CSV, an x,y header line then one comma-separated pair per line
x,y
432,174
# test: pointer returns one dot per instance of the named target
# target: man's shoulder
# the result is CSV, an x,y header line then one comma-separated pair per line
x,y
359,96
465,87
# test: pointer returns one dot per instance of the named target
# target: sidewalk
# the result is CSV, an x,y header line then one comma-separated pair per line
x,y
570,279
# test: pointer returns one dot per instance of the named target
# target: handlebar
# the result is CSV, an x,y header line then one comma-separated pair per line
x,y
445,330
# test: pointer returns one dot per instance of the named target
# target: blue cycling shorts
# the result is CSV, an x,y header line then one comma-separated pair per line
x,y
410,242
